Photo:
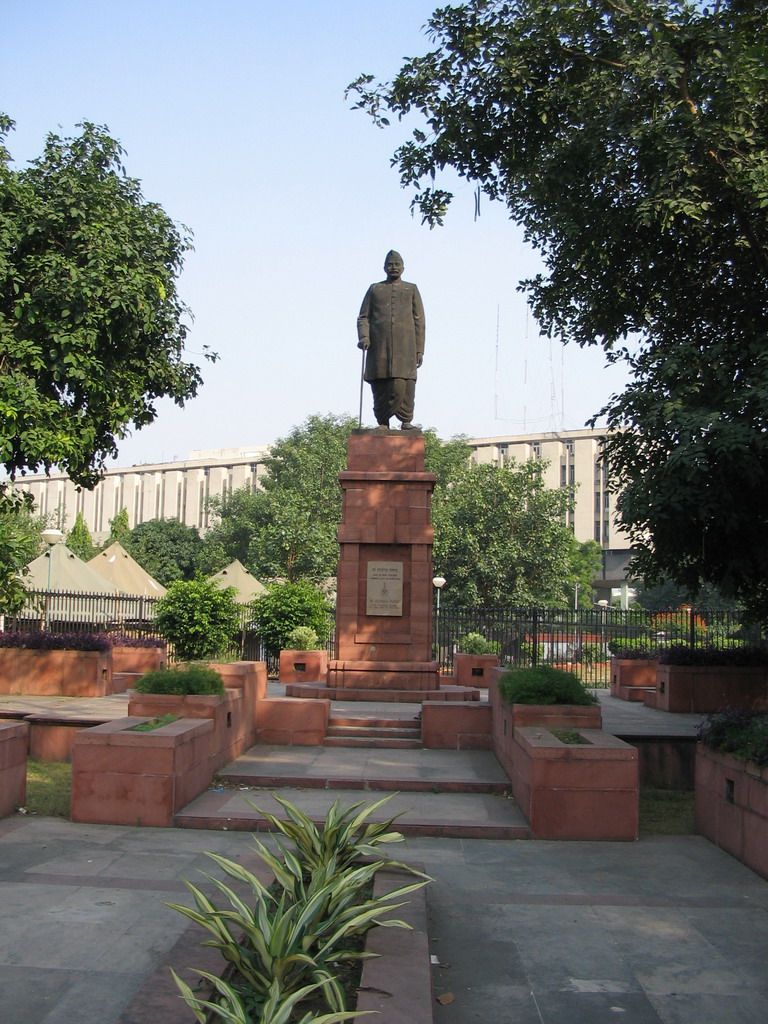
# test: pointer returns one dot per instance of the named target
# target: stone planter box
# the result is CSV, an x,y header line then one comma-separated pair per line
x,y
557,716
707,688
56,673
473,669
450,725
120,777
731,806
505,719
138,660
630,677
293,722
13,766
574,791
303,666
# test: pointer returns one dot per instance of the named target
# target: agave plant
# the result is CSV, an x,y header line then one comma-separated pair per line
x,y
343,837
289,941
276,1009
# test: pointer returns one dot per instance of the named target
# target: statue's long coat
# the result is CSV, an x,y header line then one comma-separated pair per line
x,y
392,319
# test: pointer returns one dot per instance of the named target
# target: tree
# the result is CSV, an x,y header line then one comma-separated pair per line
x,y
166,549
500,537
630,142
91,324
198,618
289,529
79,540
585,563
119,528
20,543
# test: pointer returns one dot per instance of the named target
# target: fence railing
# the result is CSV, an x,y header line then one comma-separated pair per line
x,y
583,639
579,639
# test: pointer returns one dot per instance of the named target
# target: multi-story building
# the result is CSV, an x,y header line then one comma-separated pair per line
x,y
179,490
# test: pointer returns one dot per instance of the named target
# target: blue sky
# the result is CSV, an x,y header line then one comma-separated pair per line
x,y
233,117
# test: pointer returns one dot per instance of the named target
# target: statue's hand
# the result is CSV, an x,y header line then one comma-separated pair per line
x,y
419,360
363,343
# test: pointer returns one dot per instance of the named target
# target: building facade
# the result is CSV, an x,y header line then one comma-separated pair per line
x,y
179,490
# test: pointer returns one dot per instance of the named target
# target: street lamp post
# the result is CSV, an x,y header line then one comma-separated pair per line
x,y
438,582
50,537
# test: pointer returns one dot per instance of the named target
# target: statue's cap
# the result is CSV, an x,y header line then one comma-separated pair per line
x,y
393,254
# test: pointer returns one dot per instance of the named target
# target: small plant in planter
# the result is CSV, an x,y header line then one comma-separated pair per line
x,y
303,659
155,723
544,685
196,680
282,948
303,638
476,643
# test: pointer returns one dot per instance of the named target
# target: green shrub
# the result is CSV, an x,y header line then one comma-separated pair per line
x,y
198,618
302,638
182,682
286,606
543,685
737,731
741,655
476,643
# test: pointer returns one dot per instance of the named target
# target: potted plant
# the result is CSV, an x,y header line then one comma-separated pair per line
x,y
542,695
706,679
633,668
303,659
475,657
731,800
194,691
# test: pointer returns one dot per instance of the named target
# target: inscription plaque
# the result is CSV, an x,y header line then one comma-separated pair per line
x,y
384,593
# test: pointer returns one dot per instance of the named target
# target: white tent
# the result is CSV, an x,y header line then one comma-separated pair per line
x,y
124,572
245,583
60,570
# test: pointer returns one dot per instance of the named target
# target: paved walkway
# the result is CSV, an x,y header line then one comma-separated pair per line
x,y
668,930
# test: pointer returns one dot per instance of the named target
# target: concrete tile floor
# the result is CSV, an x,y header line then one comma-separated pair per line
x,y
667,930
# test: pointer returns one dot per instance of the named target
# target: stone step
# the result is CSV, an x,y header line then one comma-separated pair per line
x,y
374,722
449,814
382,732
375,742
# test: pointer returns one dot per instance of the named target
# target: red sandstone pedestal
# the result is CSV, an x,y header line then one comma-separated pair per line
x,y
384,588
384,579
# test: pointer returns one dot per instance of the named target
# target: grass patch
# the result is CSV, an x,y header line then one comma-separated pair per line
x,y
666,812
49,786
155,723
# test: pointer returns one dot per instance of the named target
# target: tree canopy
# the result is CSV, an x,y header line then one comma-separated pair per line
x,y
630,142
166,549
91,324
501,538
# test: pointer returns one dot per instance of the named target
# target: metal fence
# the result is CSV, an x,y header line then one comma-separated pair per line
x,y
582,639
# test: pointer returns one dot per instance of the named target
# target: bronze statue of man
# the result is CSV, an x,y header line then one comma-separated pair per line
x,y
391,330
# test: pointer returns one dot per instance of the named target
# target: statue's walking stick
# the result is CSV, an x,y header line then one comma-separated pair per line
x,y
362,379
